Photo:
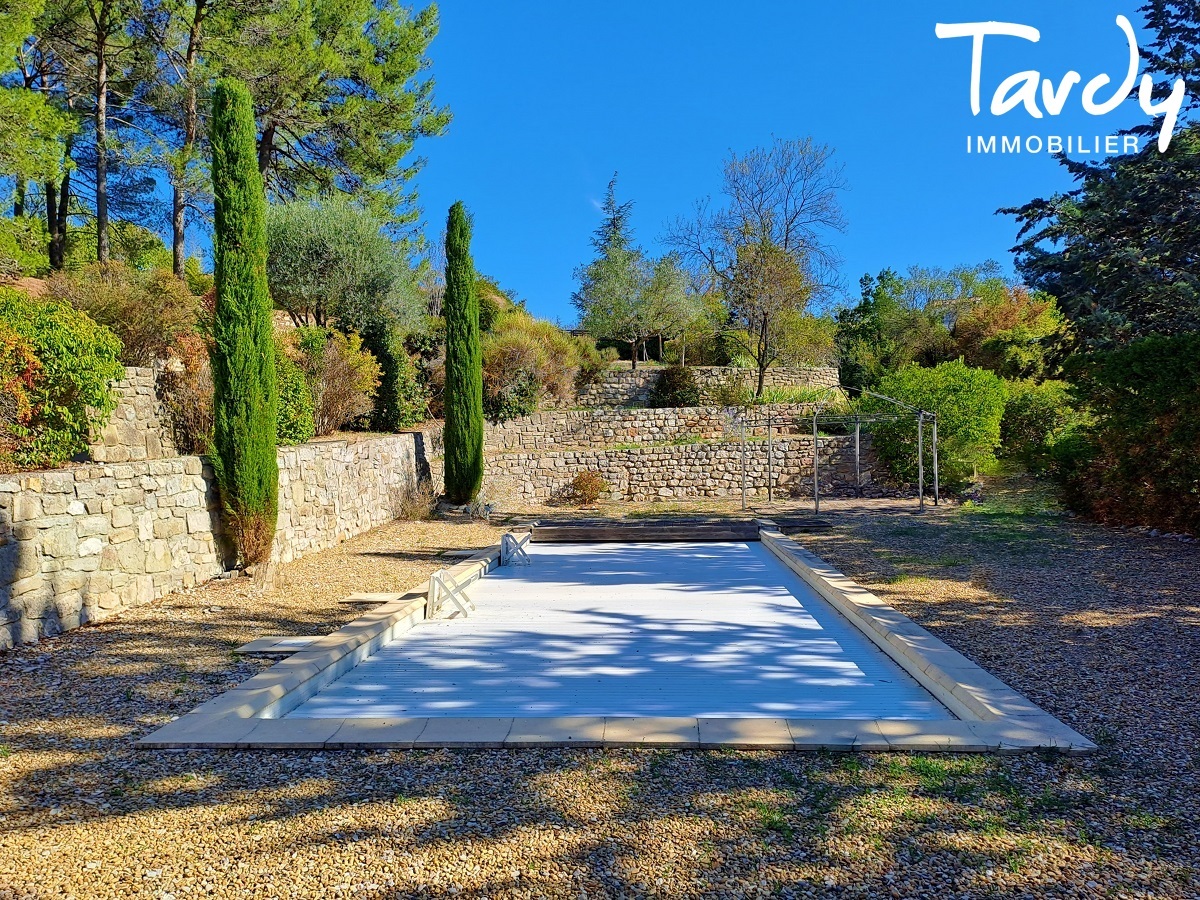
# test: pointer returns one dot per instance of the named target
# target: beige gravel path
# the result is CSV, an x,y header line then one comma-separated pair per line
x,y
1101,627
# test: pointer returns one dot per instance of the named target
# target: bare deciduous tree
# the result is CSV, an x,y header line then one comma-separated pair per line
x,y
766,245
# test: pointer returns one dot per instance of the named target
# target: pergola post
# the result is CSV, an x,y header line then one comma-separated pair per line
x,y
921,460
936,494
857,458
816,451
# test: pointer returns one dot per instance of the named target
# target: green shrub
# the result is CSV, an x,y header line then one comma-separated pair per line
x,y
402,399
294,421
969,404
593,362
527,359
342,377
1138,462
516,396
77,359
733,390
676,387
409,399
513,361
146,310
584,489
23,242
198,281
187,392
1036,416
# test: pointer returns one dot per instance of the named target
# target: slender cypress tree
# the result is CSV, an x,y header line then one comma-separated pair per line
x,y
243,354
464,364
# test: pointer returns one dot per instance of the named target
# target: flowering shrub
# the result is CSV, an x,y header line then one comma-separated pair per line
x,y
60,394
19,375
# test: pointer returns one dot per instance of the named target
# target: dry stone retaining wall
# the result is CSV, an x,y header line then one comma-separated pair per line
x,y
81,543
710,378
597,428
139,427
632,387
696,470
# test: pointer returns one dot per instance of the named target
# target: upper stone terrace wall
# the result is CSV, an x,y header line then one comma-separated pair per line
x,y
82,543
632,387
139,428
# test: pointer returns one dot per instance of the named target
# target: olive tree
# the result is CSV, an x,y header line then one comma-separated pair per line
x,y
331,264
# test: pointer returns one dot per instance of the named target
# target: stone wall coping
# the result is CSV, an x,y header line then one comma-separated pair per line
x,y
143,466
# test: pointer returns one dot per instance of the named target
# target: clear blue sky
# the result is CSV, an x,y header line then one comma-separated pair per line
x,y
551,97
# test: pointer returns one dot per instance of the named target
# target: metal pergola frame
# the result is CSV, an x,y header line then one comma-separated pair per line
x,y
769,420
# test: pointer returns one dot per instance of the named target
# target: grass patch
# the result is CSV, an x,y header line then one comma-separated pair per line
x,y
905,531
956,779
903,578
657,762
772,819
948,561
850,764
1145,821
686,440
1049,801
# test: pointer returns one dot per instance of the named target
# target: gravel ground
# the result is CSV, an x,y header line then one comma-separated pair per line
x,y
1101,627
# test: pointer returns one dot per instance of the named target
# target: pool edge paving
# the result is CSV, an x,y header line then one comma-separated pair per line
x,y
991,716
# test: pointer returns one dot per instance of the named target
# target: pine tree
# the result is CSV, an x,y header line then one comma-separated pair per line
x,y
613,289
464,364
243,356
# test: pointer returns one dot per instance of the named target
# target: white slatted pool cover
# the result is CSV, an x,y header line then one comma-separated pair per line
x,y
648,629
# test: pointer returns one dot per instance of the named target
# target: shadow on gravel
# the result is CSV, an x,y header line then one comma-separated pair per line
x,y
1106,637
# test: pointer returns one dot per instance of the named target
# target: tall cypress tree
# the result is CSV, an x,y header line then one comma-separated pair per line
x,y
464,364
243,355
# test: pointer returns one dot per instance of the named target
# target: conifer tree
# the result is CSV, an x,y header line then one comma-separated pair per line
x,y
243,356
464,364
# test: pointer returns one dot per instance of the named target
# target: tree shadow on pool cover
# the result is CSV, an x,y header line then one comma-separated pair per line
x,y
687,652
